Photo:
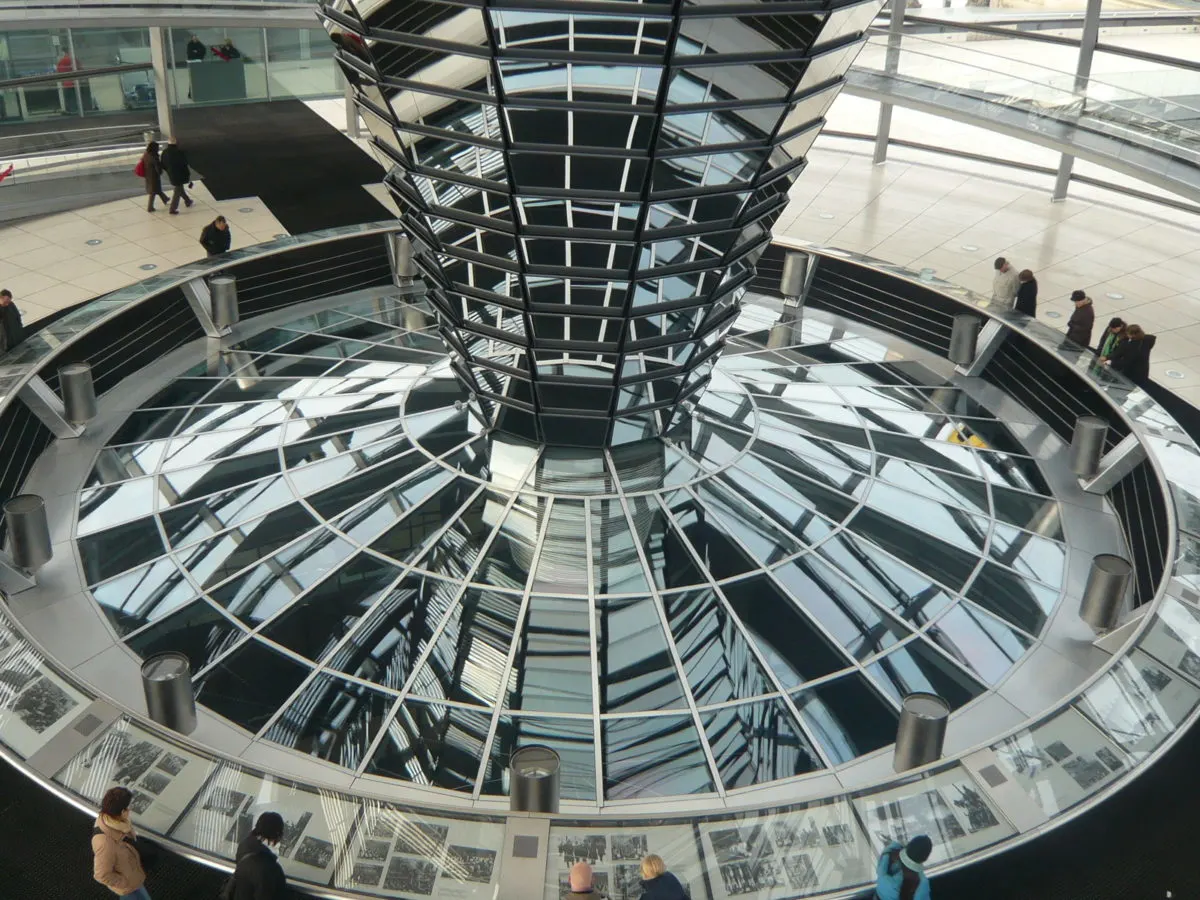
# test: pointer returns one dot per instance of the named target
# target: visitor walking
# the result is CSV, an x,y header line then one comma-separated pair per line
x,y
658,883
1026,293
1083,319
1004,283
1113,335
12,330
216,237
175,165
151,171
116,862
1132,356
257,874
900,874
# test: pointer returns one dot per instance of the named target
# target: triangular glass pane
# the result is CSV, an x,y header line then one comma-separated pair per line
x,y
143,595
981,642
433,744
951,524
197,631
636,669
250,684
718,662
758,742
659,756
332,719
554,657
1030,512
469,661
315,622
917,667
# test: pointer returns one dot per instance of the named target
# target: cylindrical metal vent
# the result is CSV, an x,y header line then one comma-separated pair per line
x,y
1104,594
402,257
224,300
963,339
1087,445
170,700
78,393
28,531
534,780
921,732
795,274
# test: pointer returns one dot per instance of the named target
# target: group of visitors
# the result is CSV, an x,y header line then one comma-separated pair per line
x,y
899,875
173,162
1124,347
120,859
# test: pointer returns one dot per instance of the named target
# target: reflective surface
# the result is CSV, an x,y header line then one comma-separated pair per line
x,y
358,571
588,191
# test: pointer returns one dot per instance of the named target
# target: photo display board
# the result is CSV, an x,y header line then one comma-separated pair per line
x,y
948,806
35,704
1174,638
791,853
397,852
316,823
615,855
1061,761
1140,702
164,778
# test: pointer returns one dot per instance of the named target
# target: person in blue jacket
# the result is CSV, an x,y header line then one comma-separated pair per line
x,y
900,874
658,883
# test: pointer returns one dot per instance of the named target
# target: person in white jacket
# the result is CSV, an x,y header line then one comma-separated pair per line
x,y
1004,283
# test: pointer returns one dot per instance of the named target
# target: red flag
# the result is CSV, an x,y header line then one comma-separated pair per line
x,y
6,173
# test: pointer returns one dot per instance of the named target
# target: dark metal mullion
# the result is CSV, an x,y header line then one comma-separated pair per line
x,y
518,245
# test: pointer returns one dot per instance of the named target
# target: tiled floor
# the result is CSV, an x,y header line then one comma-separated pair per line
x,y
48,263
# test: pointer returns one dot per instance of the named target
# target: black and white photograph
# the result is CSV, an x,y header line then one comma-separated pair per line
x,y
154,782
1110,759
626,882
749,877
838,833
224,801
1189,664
366,874
420,838
140,802
134,760
591,849
412,876
1058,751
1156,679
292,829
314,852
785,835
172,763
43,704
800,873
374,850
971,803
469,864
629,847
1086,772
737,844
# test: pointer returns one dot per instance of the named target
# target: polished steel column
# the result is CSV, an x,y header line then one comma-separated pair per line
x,y
400,252
1087,445
167,683
963,338
795,275
921,732
28,531
224,301
78,393
1104,594
534,780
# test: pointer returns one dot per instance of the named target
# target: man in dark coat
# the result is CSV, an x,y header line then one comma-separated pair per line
x,y
1132,356
258,875
1079,326
196,50
12,331
216,237
175,165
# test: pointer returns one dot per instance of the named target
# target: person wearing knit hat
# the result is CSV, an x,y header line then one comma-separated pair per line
x,y
900,874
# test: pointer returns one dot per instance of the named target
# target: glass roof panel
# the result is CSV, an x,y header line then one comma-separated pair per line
x,y
758,742
636,669
653,757
332,719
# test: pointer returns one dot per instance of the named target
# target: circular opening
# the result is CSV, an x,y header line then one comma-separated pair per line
x,y
246,209
1174,373
23,504
1053,315
534,762
1112,565
926,706
970,247
147,267
165,667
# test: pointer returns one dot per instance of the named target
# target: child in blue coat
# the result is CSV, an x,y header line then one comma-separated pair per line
x,y
900,874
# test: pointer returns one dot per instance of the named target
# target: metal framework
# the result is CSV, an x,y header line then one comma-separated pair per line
x,y
588,186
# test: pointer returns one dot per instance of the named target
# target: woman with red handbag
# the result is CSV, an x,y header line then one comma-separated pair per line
x,y
151,172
